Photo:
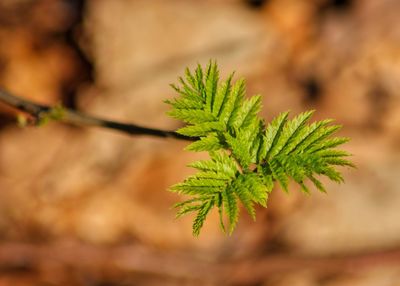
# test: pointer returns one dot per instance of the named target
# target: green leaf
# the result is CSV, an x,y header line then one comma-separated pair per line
x,y
250,190
307,137
244,144
247,201
209,143
319,137
221,95
219,203
212,78
188,189
317,183
278,173
201,216
187,209
247,156
329,143
200,82
290,132
201,129
220,163
248,112
273,133
192,116
231,208
232,103
187,95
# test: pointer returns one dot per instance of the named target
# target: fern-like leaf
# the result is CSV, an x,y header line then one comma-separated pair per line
x,y
247,156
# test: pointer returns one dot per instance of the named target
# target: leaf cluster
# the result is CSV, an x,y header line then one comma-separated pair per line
x,y
247,156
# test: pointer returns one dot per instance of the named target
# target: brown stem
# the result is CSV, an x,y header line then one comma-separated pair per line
x,y
77,118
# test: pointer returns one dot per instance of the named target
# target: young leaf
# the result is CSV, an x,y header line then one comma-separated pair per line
x,y
247,156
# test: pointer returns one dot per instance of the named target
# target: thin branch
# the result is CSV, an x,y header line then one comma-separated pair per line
x,y
78,118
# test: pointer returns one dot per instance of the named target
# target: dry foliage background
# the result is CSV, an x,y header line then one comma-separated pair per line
x,y
90,207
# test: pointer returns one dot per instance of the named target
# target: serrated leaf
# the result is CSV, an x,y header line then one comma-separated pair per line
x,y
332,174
250,189
221,95
187,209
209,143
317,183
212,175
232,102
247,201
329,143
192,116
243,146
320,136
189,95
339,162
308,136
220,206
278,174
247,156
191,79
247,113
187,189
201,129
239,150
220,162
269,184
257,188
212,78
187,90
185,103
291,129
187,202
195,181
200,82
201,216
231,208
273,133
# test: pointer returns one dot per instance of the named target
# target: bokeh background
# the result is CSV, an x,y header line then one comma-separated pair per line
x,y
83,206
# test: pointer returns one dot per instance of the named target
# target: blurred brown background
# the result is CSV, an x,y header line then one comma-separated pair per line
x,y
90,207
